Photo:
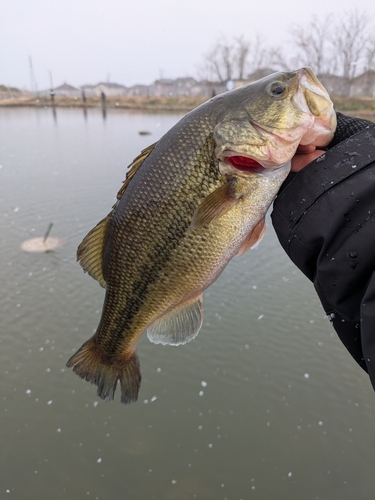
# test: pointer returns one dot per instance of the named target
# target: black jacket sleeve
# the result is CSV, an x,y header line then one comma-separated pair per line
x,y
324,217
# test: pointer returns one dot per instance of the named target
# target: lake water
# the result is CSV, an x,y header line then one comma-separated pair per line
x,y
264,404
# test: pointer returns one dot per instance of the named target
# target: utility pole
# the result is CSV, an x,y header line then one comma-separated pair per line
x,y
50,79
52,90
34,87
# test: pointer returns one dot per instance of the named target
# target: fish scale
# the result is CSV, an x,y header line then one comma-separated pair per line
x,y
129,284
183,212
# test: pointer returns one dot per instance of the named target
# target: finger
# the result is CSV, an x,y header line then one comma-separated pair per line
x,y
304,149
301,160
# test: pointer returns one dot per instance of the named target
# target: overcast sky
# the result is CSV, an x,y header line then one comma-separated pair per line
x,y
138,41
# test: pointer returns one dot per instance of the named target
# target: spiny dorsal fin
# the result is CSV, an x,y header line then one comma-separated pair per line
x,y
90,251
254,237
218,203
178,326
134,166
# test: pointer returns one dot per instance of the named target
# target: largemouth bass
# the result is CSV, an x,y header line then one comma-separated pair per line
x,y
189,204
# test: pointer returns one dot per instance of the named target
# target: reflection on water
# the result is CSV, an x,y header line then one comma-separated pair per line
x,y
265,403
54,113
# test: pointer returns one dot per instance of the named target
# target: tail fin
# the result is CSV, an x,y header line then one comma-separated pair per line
x,y
105,372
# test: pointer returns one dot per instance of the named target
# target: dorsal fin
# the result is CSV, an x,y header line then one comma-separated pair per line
x,y
134,166
90,251
178,326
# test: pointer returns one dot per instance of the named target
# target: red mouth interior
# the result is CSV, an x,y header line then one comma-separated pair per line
x,y
243,163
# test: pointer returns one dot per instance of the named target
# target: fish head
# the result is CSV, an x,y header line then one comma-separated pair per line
x,y
263,123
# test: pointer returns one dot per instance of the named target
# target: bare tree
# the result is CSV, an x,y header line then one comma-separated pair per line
x,y
242,53
261,56
219,61
236,59
370,54
341,46
312,44
349,41
275,58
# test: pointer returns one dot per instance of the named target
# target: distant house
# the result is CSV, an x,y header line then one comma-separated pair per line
x,y
139,90
236,84
67,90
167,87
207,89
110,89
184,86
64,90
259,73
252,77
179,87
163,87
88,90
335,85
11,92
363,85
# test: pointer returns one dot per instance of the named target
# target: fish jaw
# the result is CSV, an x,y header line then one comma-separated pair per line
x,y
313,99
252,159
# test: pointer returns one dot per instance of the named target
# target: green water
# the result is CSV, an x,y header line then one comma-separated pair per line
x,y
264,404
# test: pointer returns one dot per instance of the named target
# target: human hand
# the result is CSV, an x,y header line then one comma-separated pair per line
x,y
304,155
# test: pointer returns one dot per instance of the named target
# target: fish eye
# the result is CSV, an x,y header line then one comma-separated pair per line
x,y
277,89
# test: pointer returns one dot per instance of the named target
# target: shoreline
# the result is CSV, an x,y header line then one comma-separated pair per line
x,y
147,103
357,107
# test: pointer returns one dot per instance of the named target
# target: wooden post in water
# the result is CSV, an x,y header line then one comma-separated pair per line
x,y
45,244
47,232
104,110
52,89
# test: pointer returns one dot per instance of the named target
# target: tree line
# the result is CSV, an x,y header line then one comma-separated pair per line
x,y
341,45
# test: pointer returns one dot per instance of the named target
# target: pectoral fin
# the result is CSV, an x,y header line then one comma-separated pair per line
x,y
254,237
218,203
90,251
179,326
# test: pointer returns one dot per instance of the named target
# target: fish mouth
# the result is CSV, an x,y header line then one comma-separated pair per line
x,y
244,163
245,166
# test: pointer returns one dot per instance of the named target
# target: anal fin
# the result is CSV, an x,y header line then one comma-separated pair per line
x,y
179,326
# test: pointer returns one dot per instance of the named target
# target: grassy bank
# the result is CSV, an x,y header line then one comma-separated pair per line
x,y
360,107
363,107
